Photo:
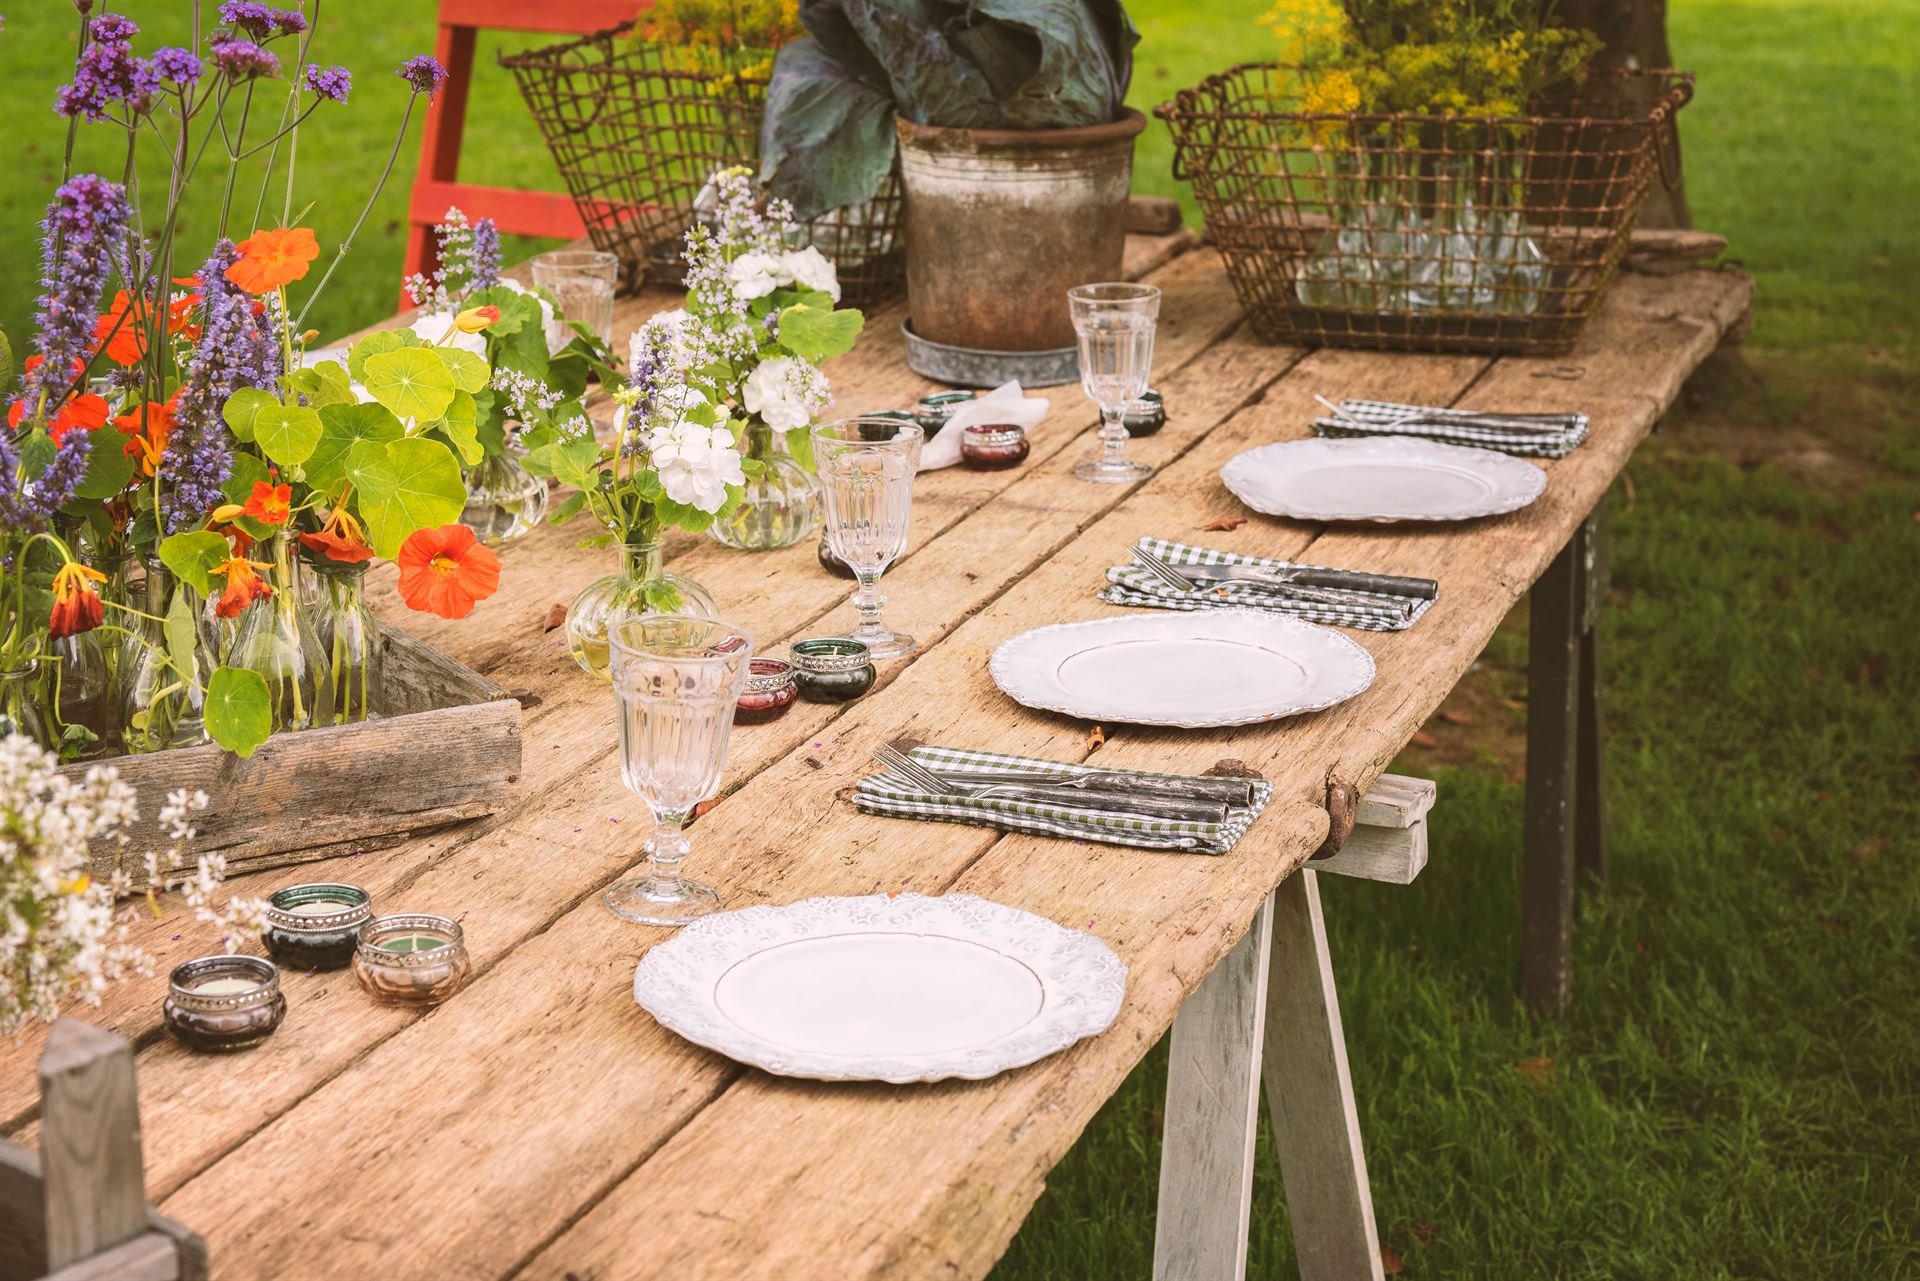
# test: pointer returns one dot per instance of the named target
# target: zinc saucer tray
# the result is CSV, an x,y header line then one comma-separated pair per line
x,y
1381,479
895,988
446,749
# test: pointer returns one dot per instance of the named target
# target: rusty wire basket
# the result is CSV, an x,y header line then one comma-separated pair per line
x,y
636,139
1423,233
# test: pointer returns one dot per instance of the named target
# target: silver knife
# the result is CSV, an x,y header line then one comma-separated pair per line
x,y
1331,579
1103,802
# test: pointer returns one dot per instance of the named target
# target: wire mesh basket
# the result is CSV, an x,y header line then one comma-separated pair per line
x,y
637,138
1423,233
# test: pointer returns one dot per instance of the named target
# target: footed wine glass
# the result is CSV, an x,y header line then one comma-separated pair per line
x,y
1114,323
866,468
676,679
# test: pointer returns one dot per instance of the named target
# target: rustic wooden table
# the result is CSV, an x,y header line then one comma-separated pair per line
x,y
540,1125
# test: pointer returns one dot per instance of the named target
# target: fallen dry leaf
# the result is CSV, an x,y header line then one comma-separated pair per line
x,y
556,615
1835,924
1423,739
1225,524
1095,737
1814,676
1391,1263
1866,850
1872,670
1425,1233
1456,718
1538,1071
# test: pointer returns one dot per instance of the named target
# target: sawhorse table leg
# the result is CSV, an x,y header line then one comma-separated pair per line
x,y
1565,830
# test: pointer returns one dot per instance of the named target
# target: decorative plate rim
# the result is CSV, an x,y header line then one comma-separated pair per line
x,y
1082,979
1026,691
1234,476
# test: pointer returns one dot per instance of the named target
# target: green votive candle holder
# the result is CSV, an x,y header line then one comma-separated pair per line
x,y
413,958
316,926
832,669
219,1004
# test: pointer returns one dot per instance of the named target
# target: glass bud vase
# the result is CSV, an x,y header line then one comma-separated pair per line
x,y
20,702
351,638
643,586
163,693
505,501
276,639
780,506
79,689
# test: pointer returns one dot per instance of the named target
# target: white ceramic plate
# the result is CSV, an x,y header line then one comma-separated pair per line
x,y
882,988
1191,670
1381,478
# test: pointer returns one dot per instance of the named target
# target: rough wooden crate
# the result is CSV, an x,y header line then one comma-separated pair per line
x,y
446,751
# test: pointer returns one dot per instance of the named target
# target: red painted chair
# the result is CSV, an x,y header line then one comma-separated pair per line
x,y
437,186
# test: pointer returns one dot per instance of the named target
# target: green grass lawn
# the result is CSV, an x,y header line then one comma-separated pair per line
x,y
1734,1092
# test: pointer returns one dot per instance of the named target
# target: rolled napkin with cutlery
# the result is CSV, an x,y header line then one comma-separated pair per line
x,y
1004,404
1527,435
1055,798
1189,577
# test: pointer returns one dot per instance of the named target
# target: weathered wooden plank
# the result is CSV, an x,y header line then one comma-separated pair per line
x,y
1212,1116
91,1173
151,1256
1391,854
1553,737
1395,800
23,1215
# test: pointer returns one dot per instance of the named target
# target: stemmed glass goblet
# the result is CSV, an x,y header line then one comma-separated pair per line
x,y
676,679
866,468
1114,323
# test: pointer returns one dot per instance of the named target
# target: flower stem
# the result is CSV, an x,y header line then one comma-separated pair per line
x,y
346,246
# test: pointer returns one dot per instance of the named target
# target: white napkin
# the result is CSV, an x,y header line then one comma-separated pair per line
x,y
1004,404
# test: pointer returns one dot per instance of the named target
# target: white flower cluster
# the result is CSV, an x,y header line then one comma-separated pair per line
x,y
60,939
755,274
696,464
785,393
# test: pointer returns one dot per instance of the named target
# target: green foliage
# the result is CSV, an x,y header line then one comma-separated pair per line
x,y
816,334
193,555
243,407
412,382
239,712
341,428
402,486
286,434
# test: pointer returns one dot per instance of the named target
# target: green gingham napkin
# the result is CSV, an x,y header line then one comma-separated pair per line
x,y
888,793
1459,427
1136,585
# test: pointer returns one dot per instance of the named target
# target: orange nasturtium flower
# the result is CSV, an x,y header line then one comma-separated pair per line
x,y
124,328
446,571
147,428
340,539
76,606
244,586
268,504
474,319
270,259
84,410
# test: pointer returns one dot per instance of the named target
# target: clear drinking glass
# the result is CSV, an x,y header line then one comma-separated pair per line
x,y
582,282
676,679
1114,323
866,468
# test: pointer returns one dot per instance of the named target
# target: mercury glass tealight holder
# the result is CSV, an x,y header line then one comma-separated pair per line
x,y
218,1004
411,959
316,926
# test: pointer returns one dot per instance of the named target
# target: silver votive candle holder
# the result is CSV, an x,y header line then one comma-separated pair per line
x,y
218,1004
413,958
316,926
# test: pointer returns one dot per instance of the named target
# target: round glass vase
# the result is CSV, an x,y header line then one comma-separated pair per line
x,y
20,701
163,695
276,638
351,638
79,690
505,501
643,586
780,506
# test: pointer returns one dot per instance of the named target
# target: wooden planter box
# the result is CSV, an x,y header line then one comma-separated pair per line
x,y
447,750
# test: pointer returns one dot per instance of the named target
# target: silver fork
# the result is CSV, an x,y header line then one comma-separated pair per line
x,y
1067,793
911,770
1181,583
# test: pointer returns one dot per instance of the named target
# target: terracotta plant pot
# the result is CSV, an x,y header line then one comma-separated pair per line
x,y
1000,223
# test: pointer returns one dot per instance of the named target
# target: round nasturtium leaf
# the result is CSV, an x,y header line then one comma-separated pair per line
x,y
412,382
287,433
239,712
405,485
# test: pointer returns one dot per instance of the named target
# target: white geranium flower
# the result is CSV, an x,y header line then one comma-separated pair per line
x,y
434,326
696,464
810,269
755,275
558,333
785,393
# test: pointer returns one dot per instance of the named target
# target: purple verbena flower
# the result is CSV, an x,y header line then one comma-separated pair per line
x,y
85,223
484,255
112,28
424,73
243,59
235,351
106,73
262,21
176,66
331,83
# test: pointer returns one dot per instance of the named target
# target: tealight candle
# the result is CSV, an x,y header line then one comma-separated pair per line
x,y
832,669
217,1004
770,690
1147,415
411,959
316,926
993,446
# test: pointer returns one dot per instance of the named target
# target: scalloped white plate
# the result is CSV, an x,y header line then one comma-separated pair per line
x,y
1381,478
1190,670
882,988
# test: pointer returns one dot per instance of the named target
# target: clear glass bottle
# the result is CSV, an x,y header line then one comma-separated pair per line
x,y
780,506
276,638
162,705
351,638
643,586
20,702
505,501
79,690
